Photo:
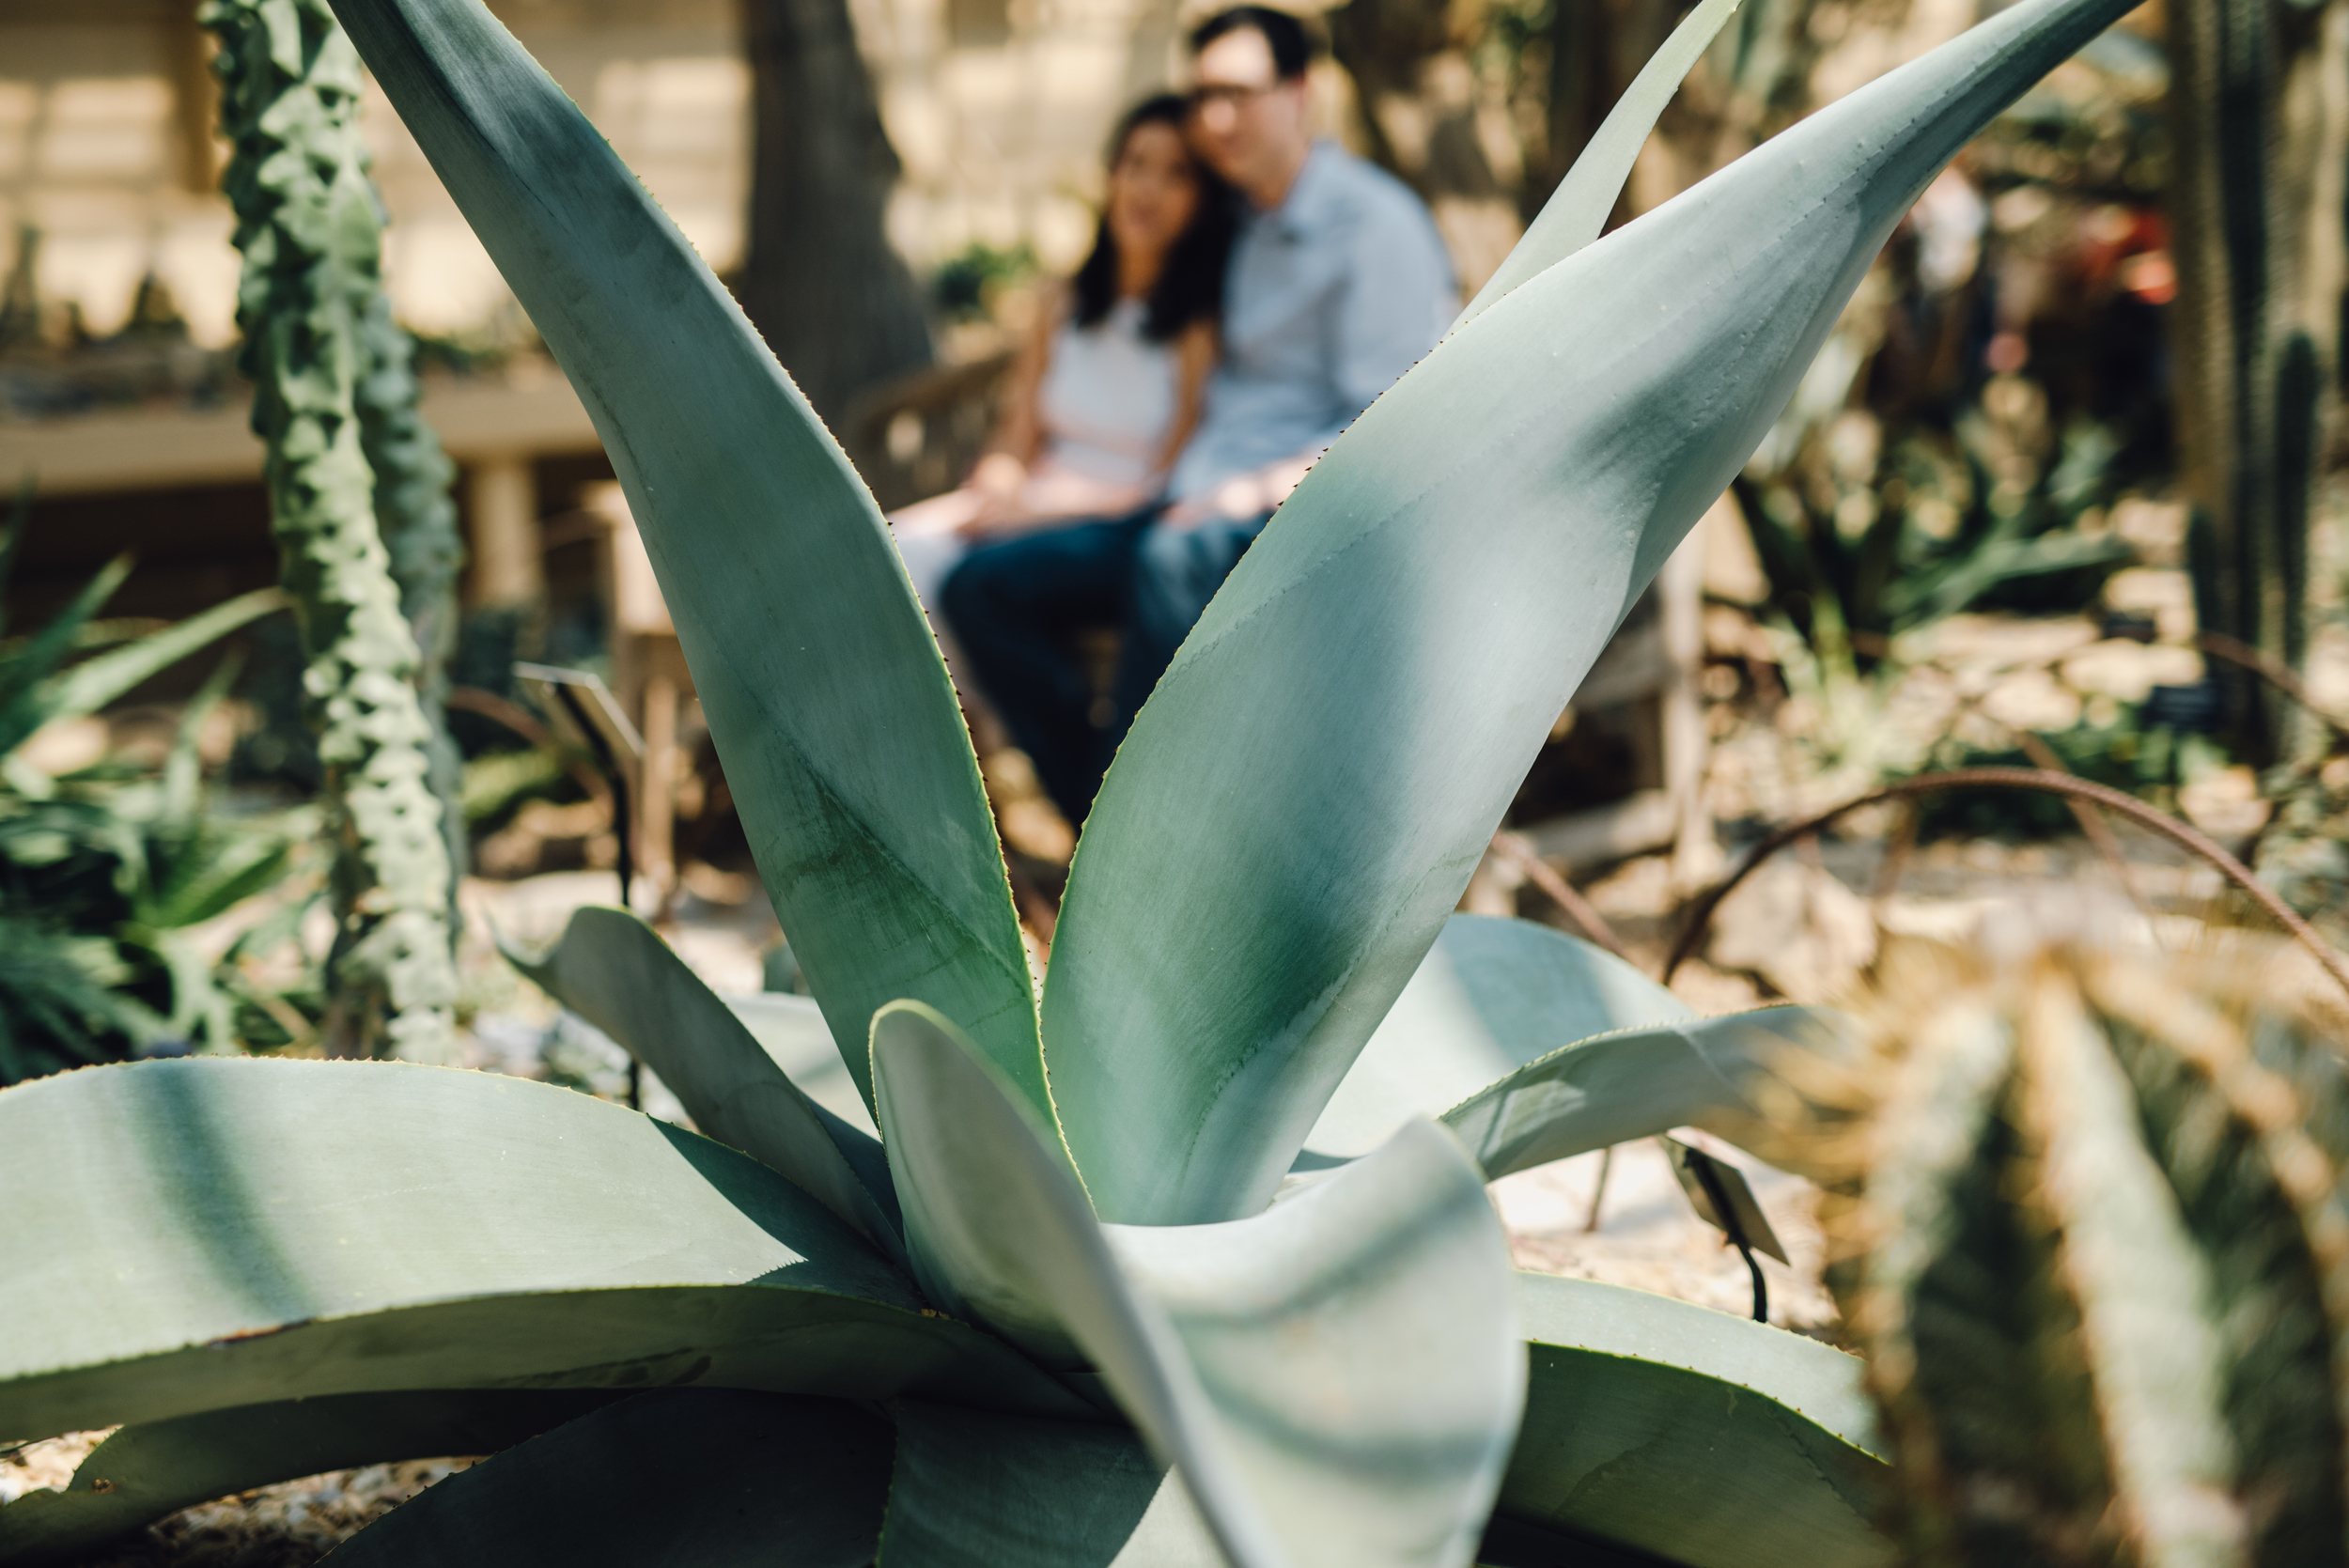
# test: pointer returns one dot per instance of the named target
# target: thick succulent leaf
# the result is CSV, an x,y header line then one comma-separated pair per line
x,y
831,709
1490,997
1335,1379
792,1032
978,1489
612,970
195,1235
1295,810
1705,1439
1359,1340
684,1477
94,682
142,1473
1577,209
1700,1072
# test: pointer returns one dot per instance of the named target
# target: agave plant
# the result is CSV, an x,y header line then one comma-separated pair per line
x,y
1057,1281
2090,1218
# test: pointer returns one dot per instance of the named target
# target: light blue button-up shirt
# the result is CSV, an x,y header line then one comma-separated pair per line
x,y
1329,297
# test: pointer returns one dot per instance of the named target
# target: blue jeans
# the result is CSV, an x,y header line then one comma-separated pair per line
x,y
1015,607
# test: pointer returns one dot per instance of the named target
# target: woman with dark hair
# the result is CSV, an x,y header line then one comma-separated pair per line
x,y
1108,384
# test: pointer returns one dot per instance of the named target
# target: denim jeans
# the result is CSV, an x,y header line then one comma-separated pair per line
x,y
1015,606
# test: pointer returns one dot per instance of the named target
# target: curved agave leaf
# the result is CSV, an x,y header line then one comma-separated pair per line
x,y
209,1233
976,1489
1577,209
792,1032
685,1477
1618,1087
874,838
612,970
1703,1439
142,1473
1298,805
1491,996
1335,1379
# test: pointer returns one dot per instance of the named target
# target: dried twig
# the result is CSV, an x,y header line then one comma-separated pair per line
x,y
2219,646
1560,892
2091,821
2112,800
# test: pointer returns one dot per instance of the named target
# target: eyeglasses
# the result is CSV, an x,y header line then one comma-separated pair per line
x,y
1231,94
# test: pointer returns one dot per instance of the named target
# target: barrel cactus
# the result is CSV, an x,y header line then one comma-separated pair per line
x,y
2094,1247
1001,1277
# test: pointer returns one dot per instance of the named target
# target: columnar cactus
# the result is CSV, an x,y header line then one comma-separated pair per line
x,y
417,518
2092,1247
308,224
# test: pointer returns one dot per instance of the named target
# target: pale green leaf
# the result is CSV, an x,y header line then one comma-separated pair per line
x,y
1490,997
690,1477
195,1235
1577,209
142,1473
831,709
1296,809
792,1032
1700,1073
1705,1439
1336,1380
977,1489
612,970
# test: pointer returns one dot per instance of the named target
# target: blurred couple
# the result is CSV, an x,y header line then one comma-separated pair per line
x,y
1251,290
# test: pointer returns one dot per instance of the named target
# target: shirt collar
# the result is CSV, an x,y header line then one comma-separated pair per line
x,y
1306,207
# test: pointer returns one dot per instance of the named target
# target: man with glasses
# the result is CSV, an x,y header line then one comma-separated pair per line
x,y
1338,282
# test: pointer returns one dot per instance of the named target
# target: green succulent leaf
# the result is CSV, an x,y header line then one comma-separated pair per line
x,y
792,1032
832,711
612,970
209,1233
1578,208
1490,997
1618,1087
1705,1439
684,1477
142,1473
22,707
97,681
976,1489
1336,1380
1297,807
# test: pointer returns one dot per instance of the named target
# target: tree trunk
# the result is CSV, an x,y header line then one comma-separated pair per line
x,y
834,299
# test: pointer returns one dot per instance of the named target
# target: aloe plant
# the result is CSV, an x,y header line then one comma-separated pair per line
x,y
2089,1210
308,224
980,1296
99,881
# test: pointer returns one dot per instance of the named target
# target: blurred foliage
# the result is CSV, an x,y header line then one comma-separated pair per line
x,y
966,283
108,874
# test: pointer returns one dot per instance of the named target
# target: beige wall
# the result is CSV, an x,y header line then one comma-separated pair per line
x,y
997,106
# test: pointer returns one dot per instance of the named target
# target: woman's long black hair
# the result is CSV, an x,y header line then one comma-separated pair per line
x,y
1190,284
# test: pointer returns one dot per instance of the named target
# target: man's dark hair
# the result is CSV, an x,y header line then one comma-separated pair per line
x,y
1292,45
1191,283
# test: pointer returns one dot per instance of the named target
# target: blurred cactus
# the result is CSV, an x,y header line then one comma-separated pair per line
x,y
309,224
417,518
2261,138
2087,1223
